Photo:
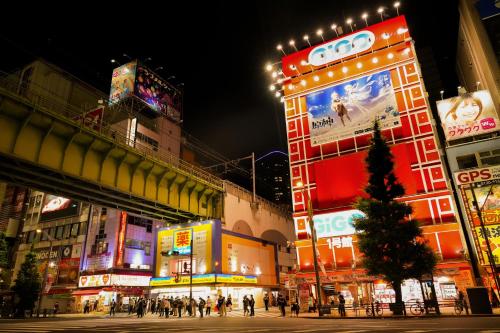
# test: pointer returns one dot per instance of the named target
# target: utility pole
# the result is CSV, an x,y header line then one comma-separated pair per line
x,y
253,177
191,271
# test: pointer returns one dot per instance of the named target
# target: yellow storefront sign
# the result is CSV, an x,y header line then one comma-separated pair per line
x,y
181,280
230,278
493,233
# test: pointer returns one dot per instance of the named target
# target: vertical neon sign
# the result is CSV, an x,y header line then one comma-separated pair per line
x,y
121,238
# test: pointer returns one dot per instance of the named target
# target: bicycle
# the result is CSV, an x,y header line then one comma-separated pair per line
x,y
376,308
417,309
459,307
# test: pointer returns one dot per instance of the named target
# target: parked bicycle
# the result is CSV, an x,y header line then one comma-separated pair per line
x,y
375,309
459,307
417,309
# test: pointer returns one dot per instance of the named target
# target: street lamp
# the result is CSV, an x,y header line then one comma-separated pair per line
x,y
313,243
45,273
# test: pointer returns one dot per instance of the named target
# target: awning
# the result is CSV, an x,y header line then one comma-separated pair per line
x,y
81,292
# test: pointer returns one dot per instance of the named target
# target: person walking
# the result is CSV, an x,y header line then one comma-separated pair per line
x,y
56,308
246,303
342,305
166,307
112,308
131,306
282,304
201,305
252,306
209,306
153,306
266,301
180,306
161,308
96,304
86,307
229,303
223,307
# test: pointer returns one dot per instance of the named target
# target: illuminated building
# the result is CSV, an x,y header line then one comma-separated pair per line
x,y
471,125
224,263
333,92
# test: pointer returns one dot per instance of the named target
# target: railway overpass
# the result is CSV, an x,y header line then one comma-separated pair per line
x,y
45,144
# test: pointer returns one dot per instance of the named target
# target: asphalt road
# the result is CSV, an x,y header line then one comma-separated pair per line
x,y
253,325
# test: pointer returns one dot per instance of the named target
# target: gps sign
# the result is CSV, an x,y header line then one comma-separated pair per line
x,y
477,175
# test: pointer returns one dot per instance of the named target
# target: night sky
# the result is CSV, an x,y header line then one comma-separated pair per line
x,y
217,49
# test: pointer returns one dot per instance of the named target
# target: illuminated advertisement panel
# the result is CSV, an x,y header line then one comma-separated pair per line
x,y
153,90
122,82
468,114
55,207
493,233
178,239
336,224
484,184
350,108
372,38
182,241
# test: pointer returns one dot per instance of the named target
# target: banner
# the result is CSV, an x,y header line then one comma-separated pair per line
x,y
468,114
493,233
350,108
122,82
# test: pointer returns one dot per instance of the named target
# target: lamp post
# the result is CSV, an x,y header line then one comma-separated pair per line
x,y
313,243
45,273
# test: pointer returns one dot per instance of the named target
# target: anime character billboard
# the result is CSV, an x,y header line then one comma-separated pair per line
x,y
468,114
350,108
122,82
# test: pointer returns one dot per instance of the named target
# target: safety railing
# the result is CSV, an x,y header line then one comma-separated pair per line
x,y
41,97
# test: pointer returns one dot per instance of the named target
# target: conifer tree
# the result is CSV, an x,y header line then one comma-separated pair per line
x,y
391,243
28,283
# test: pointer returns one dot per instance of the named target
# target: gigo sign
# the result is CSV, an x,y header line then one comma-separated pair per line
x,y
477,175
336,224
341,48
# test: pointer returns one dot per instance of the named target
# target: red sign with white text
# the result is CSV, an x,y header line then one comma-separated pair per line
x,y
365,40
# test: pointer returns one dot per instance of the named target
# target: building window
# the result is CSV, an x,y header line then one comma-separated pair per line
x,y
59,232
30,238
44,234
74,229
467,161
67,231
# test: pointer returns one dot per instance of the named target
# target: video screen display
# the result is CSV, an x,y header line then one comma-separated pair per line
x,y
55,207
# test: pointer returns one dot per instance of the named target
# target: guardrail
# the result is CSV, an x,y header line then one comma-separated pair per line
x,y
410,309
40,96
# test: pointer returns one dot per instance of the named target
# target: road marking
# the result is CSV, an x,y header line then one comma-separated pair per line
x,y
262,330
417,331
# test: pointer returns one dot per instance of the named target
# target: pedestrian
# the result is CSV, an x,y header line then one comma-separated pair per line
x,y
246,303
209,306
193,306
252,306
310,304
161,307
229,303
96,304
153,306
297,307
166,307
131,306
266,301
223,307
112,308
282,304
56,308
180,306
86,307
201,305
342,305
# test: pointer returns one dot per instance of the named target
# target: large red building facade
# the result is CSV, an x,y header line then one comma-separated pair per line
x,y
332,94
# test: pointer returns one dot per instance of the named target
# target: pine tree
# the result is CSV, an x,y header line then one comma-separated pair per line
x,y
392,244
27,286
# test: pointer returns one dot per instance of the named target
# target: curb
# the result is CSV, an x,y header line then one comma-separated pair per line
x,y
405,317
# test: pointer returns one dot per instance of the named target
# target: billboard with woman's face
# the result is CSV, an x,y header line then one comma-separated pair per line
x,y
55,207
468,114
